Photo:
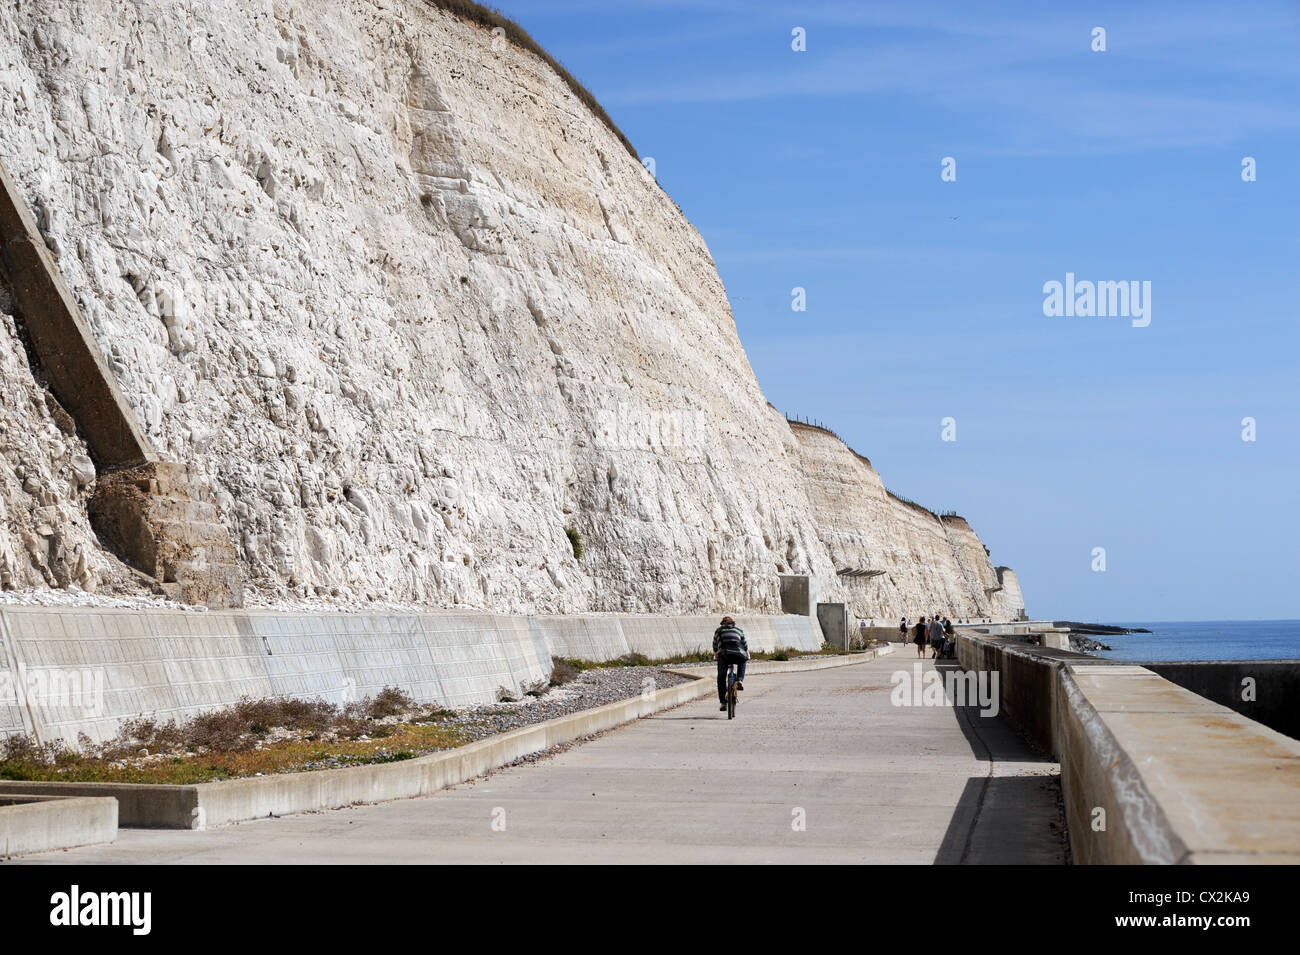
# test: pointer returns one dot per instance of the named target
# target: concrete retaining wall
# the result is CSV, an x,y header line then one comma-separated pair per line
x,y
65,671
1151,773
660,638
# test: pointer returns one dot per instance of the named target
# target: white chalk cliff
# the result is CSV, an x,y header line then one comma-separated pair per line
x,y
412,311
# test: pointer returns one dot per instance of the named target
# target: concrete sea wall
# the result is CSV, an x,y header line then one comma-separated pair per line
x,y
1264,690
70,671
1151,773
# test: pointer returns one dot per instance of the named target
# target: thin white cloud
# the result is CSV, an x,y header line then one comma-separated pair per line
x,y
1025,75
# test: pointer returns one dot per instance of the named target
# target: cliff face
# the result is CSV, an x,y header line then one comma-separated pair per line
x,y
411,311
45,480
930,564
1011,602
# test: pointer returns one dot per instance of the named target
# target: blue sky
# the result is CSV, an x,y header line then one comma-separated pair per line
x,y
821,169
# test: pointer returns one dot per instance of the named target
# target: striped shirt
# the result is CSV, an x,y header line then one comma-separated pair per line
x,y
730,638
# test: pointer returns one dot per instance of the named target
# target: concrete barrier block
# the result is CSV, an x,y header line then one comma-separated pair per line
x,y
41,823
140,806
1274,685
1110,815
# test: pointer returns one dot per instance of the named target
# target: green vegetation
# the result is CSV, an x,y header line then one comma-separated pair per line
x,y
634,660
575,541
251,737
562,672
858,643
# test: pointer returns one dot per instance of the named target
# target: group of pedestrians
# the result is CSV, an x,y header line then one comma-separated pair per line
x,y
937,633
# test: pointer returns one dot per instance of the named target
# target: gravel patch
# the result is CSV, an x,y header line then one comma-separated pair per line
x,y
82,598
592,688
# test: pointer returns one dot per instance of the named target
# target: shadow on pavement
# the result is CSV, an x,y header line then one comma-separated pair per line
x,y
1005,820
991,737
1002,820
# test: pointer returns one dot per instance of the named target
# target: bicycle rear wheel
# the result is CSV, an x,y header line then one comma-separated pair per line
x,y
731,693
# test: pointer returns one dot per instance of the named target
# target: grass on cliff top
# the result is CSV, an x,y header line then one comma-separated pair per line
x,y
250,738
491,18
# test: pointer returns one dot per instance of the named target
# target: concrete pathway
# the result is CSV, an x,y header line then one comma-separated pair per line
x,y
818,767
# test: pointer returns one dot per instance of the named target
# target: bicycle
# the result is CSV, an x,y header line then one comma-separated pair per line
x,y
732,696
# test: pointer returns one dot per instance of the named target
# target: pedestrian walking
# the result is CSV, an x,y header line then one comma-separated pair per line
x,y
936,635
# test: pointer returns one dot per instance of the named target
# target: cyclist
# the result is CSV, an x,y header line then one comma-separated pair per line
x,y
729,646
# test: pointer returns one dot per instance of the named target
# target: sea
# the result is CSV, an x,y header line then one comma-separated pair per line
x,y
1205,640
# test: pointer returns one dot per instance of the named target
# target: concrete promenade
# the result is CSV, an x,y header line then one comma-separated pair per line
x,y
870,781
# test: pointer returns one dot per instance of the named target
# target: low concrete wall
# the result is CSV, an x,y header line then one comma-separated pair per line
x,y
1180,779
34,823
790,632
211,804
1028,680
138,805
1274,686
65,671
1152,773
